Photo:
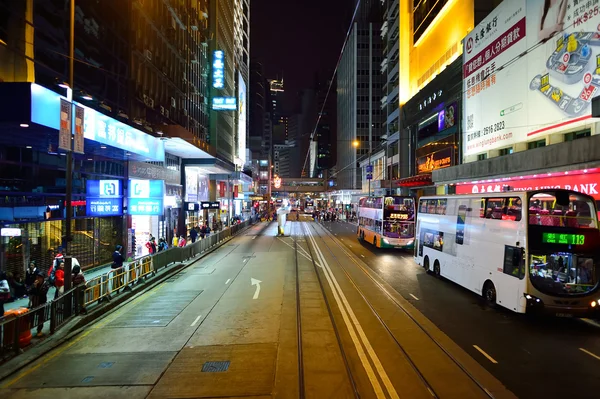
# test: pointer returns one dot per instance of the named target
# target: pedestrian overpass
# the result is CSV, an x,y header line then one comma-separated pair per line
x,y
300,185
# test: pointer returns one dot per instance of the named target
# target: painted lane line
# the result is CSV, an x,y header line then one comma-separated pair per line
x,y
196,321
590,353
352,323
350,245
491,359
227,282
254,238
414,297
362,255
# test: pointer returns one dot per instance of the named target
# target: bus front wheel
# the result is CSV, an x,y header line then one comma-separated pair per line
x,y
489,293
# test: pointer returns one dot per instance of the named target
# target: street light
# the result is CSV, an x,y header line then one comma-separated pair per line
x,y
355,144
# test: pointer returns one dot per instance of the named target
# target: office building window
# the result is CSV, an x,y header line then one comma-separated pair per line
x,y
578,135
536,144
481,157
506,151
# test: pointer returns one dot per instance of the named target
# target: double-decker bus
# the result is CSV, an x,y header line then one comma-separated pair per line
x,y
525,251
387,222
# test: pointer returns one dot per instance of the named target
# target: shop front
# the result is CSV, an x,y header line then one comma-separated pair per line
x,y
146,208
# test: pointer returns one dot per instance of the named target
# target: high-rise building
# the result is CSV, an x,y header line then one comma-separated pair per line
x,y
326,133
422,46
277,92
359,85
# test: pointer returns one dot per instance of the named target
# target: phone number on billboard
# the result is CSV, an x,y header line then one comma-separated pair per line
x,y
493,128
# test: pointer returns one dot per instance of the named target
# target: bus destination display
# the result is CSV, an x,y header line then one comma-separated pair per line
x,y
558,238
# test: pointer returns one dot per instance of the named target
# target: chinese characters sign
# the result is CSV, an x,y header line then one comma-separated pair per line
x,y
435,160
64,133
218,69
104,198
78,139
528,68
145,197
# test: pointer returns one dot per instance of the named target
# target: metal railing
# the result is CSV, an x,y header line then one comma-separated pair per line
x,y
16,329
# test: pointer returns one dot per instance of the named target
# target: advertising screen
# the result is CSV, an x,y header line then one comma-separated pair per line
x,y
529,67
242,110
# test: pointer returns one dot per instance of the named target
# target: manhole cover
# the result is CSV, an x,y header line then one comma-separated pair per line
x,y
215,367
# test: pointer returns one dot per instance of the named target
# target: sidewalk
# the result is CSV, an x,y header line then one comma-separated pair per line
x,y
23,302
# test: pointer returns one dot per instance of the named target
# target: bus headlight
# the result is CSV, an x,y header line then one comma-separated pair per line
x,y
385,240
532,301
593,304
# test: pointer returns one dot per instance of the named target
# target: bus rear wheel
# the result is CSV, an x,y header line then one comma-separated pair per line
x,y
426,264
436,269
489,293
375,240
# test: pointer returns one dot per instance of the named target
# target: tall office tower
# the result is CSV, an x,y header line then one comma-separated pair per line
x,y
241,38
359,86
257,107
326,133
277,91
223,125
169,65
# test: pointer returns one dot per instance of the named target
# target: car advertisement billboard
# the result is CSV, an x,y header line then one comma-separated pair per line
x,y
530,67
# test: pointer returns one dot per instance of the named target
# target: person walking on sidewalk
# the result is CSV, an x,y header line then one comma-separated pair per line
x,y
30,274
118,260
59,279
38,293
194,234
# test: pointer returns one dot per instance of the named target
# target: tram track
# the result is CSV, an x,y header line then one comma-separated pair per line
x,y
308,230
301,379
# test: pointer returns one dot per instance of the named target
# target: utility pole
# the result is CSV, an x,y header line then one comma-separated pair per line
x,y
69,176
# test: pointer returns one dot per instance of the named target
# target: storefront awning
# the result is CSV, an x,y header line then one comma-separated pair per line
x,y
415,181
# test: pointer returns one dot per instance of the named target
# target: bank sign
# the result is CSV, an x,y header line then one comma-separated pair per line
x,y
584,183
516,87
146,197
104,198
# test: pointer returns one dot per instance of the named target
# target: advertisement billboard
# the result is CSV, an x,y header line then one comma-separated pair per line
x,y
436,160
104,198
242,110
528,68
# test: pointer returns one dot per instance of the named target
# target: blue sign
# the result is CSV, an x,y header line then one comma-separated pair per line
x,y
45,110
218,69
369,168
224,103
145,206
104,198
146,197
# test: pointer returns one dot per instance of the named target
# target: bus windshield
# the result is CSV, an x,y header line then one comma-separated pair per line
x,y
562,273
561,209
399,216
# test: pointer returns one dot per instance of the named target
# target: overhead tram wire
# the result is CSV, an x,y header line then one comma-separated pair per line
x,y
337,65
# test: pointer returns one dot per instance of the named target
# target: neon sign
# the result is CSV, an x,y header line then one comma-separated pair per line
x,y
559,238
218,69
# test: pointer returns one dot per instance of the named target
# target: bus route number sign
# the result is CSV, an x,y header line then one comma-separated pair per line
x,y
400,216
558,238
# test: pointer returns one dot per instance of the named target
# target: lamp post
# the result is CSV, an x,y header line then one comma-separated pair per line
x,y
69,168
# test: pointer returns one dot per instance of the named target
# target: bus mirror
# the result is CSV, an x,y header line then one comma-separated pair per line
x,y
469,209
562,199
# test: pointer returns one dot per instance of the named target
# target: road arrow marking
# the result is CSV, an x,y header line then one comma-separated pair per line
x,y
255,282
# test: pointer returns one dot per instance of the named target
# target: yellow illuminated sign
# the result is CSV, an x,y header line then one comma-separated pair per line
x,y
399,216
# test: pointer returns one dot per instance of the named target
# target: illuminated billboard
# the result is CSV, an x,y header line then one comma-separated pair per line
x,y
524,76
224,103
242,110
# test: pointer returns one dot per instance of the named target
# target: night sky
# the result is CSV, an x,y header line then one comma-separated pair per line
x,y
298,38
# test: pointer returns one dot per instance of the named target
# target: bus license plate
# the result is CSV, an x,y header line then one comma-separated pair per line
x,y
564,315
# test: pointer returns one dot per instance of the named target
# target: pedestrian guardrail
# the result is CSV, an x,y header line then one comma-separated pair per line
x,y
16,327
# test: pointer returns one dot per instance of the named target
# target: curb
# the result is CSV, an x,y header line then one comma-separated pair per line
x,y
79,323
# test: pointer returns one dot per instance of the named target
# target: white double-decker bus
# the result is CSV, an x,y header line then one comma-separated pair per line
x,y
525,251
387,222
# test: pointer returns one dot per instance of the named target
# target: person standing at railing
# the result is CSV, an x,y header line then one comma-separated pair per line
x,y
38,293
162,245
4,291
194,234
78,279
59,279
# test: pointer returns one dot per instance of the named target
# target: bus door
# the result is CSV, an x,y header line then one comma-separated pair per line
x,y
510,283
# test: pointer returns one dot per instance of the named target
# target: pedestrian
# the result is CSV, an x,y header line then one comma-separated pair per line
x,y
207,227
162,244
175,241
30,274
182,242
78,280
4,291
194,234
38,293
202,232
118,260
151,245
59,281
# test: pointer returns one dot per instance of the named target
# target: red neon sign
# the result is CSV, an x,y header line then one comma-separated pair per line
x,y
584,183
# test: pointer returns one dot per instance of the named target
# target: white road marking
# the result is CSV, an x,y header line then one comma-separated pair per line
x,y
362,255
196,321
350,245
414,297
254,238
255,282
590,353
491,359
227,282
245,260
352,323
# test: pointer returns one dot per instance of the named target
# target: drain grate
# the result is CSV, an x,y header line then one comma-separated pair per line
x,y
215,367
